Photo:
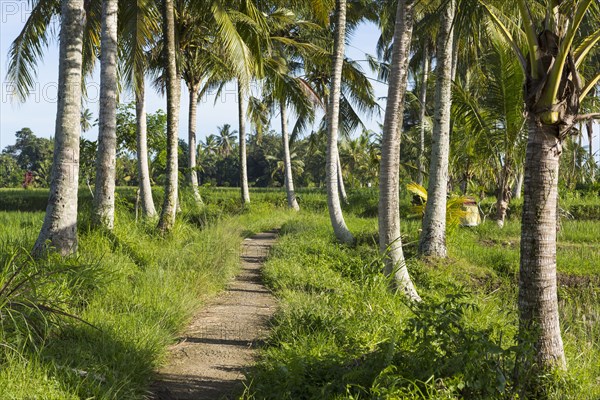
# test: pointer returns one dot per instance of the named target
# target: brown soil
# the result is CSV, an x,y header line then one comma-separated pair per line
x,y
210,359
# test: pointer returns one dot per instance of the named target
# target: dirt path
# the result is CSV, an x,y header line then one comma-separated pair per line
x,y
209,361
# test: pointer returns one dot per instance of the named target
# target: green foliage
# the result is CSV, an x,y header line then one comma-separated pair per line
x,y
341,334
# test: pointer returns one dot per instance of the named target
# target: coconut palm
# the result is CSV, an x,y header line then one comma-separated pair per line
x,y
103,211
169,209
432,241
224,140
390,242
553,91
59,230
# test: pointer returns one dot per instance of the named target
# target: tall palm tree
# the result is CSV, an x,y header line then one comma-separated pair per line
x,y
104,198
59,230
340,229
390,242
242,110
169,209
224,140
140,28
553,91
433,236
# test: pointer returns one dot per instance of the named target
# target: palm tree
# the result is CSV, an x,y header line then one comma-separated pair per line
x,y
433,236
169,209
59,230
553,92
140,21
242,94
390,242
104,197
332,164
224,140
86,120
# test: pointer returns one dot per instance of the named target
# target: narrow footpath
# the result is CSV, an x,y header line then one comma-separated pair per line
x,y
220,343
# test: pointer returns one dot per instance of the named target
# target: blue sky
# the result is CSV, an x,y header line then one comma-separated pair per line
x,y
39,111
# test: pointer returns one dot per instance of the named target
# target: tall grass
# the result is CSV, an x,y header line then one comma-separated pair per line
x,y
134,289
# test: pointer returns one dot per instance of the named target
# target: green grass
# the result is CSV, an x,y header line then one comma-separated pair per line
x,y
340,333
136,288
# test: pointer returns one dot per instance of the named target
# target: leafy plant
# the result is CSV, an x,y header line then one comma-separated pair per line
x,y
454,205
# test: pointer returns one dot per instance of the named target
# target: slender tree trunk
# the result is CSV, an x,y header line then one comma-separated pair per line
x,y
422,112
518,188
104,198
433,235
59,230
145,187
590,132
169,209
289,178
504,194
192,144
390,242
242,133
538,302
340,175
333,200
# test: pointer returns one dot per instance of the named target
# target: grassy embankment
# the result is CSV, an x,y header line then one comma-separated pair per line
x,y
136,288
341,334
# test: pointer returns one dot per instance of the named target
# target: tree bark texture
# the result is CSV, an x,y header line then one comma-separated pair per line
x,y
433,235
169,209
145,187
333,200
242,132
192,119
538,302
59,229
287,159
422,112
390,242
104,197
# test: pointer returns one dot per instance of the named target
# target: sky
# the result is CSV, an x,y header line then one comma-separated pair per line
x,y
38,112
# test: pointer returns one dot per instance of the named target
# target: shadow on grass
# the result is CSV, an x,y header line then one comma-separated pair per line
x,y
94,364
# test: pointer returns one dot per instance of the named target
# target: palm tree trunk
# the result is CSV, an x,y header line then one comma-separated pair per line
x,y
590,132
169,209
340,175
538,302
145,187
242,133
289,178
422,111
59,230
433,235
333,200
504,193
104,198
518,188
390,242
192,144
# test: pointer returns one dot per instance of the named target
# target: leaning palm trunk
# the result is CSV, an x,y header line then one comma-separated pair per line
x,y
333,200
145,188
104,198
504,194
59,230
192,144
433,236
243,160
289,178
538,302
169,210
341,185
422,112
390,242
